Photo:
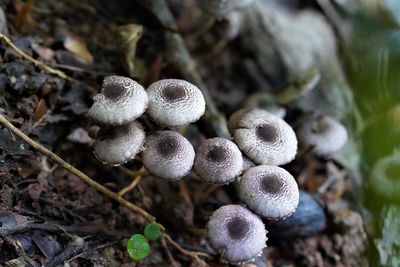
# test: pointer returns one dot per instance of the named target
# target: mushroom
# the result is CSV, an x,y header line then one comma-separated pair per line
x,y
175,103
270,191
263,137
116,145
323,134
308,219
385,177
247,164
168,155
120,101
218,160
237,233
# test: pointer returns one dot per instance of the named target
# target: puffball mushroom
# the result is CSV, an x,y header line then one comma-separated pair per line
x,y
263,137
237,233
175,103
269,191
323,133
385,177
168,155
218,160
120,101
116,145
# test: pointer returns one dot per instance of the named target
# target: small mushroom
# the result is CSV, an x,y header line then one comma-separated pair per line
x,y
270,191
237,233
308,219
247,164
323,134
175,103
264,137
120,101
385,177
218,160
116,145
168,155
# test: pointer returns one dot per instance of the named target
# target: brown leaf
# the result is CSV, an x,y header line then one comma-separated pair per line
x,y
41,109
24,18
78,48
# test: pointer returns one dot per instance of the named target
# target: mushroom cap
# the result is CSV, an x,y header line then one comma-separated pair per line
x,y
168,155
247,164
175,103
308,219
264,137
384,178
218,160
237,233
325,134
116,145
120,101
270,191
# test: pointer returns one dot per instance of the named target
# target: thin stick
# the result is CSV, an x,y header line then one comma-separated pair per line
x,y
128,188
75,171
192,254
99,187
37,63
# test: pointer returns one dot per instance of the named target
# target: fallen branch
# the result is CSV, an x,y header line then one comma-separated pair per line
x,y
150,218
37,63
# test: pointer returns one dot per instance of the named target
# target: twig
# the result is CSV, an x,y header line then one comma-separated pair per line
x,y
37,63
193,254
168,252
99,187
187,65
128,188
141,172
75,171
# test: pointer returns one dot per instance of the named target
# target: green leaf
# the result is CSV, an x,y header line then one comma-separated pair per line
x,y
152,231
137,247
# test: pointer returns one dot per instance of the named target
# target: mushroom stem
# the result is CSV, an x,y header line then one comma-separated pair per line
x,y
187,65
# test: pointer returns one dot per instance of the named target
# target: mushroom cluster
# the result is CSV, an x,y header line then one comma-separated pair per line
x,y
262,141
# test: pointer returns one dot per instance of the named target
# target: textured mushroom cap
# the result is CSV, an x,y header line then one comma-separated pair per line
x,y
323,133
175,103
265,138
218,160
270,191
247,164
237,233
308,219
119,144
168,155
385,177
120,101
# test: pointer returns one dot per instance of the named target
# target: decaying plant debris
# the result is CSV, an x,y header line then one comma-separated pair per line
x,y
274,55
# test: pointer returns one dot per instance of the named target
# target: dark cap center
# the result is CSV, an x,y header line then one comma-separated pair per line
x,y
271,184
168,146
238,228
113,91
113,133
320,126
217,154
173,93
266,133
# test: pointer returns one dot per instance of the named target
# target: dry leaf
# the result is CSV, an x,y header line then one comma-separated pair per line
x,y
78,48
41,110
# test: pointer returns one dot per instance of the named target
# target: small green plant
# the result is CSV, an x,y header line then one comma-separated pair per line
x,y
138,246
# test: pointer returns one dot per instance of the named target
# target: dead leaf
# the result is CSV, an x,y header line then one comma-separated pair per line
x,y
78,48
41,109
23,18
127,38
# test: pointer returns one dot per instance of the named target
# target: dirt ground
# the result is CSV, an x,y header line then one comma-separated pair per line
x,y
47,211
